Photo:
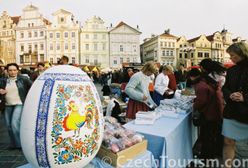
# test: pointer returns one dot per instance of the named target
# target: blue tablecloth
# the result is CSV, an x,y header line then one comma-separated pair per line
x,y
145,160
170,140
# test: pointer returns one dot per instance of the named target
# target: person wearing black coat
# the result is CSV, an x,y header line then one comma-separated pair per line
x,y
13,91
235,91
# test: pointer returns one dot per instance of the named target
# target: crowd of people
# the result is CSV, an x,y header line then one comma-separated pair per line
x,y
221,97
221,100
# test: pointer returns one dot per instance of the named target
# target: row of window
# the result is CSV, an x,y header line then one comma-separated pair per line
x,y
6,33
96,47
217,45
201,54
167,53
30,34
115,61
66,46
87,60
35,34
121,48
66,35
30,49
95,36
167,44
186,55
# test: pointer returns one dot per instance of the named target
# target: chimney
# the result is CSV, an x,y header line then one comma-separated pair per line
x,y
111,25
138,27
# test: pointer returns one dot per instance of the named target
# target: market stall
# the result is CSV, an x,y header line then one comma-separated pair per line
x,y
170,138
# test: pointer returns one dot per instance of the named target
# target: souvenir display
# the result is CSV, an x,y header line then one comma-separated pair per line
x,y
62,121
170,108
118,138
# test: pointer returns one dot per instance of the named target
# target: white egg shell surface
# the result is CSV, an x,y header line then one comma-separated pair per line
x,y
62,121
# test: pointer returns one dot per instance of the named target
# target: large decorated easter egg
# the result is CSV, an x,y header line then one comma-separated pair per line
x,y
62,121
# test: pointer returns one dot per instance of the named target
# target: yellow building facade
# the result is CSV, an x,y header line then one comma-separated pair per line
x,y
7,38
217,48
201,49
184,52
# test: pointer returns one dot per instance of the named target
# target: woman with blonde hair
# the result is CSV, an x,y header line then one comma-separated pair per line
x,y
138,92
235,91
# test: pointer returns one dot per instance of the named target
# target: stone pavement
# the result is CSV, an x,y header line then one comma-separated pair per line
x,y
8,158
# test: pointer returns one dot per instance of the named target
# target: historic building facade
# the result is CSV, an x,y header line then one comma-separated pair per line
x,y
31,37
7,38
184,52
161,48
202,49
94,46
217,49
63,37
124,45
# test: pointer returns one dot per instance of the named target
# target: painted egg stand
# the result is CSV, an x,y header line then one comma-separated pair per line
x,y
62,120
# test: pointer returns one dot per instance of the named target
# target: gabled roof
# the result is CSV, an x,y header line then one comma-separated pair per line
x,y
210,37
168,35
194,39
15,19
120,24
181,37
124,24
30,8
62,11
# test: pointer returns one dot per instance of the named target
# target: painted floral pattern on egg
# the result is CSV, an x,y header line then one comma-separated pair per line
x,y
70,143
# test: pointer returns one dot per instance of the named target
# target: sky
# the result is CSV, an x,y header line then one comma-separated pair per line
x,y
190,18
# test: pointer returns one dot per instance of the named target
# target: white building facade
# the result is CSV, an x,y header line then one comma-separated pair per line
x,y
31,37
63,37
161,48
124,45
94,43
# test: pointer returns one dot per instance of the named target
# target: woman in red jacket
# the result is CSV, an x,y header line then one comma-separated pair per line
x,y
207,105
172,82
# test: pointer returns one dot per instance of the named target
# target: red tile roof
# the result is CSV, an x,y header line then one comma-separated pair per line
x,y
16,19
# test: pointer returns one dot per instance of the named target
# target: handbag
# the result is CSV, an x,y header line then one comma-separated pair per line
x,y
197,118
